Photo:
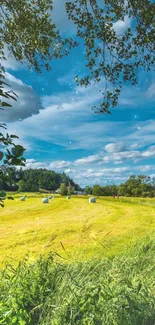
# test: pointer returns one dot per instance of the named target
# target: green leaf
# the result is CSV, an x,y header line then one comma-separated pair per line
x,y
4,104
17,150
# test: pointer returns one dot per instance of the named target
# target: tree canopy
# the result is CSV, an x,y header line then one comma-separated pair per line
x,y
112,58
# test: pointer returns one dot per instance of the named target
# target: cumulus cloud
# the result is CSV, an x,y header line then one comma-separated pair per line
x,y
60,164
120,157
33,164
130,155
150,152
115,147
121,25
87,160
28,102
69,171
115,156
104,172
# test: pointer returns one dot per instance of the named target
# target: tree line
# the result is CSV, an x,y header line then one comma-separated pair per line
x,y
32,180
35,180
138,186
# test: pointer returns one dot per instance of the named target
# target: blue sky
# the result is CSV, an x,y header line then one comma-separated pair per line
x,y
55,122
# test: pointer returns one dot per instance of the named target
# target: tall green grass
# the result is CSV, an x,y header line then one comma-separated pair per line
x,y
111,291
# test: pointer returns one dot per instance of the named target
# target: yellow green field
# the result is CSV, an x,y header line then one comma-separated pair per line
x,y
107,227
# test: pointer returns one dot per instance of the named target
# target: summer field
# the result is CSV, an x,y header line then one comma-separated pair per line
x,y
73,228
87,264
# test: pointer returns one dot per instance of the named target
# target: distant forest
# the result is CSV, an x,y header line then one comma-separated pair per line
x,y
32,180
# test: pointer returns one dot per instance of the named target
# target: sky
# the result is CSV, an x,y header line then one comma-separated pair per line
x,y
56,124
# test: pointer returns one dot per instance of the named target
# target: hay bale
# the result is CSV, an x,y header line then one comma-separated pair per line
x,y
92,200
45,200
22,198
50,197
68,197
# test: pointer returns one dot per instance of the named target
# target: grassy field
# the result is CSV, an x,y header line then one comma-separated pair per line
x,y
73,228
104,276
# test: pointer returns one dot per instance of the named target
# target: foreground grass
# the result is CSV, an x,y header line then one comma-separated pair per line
x,y
106,228
110,291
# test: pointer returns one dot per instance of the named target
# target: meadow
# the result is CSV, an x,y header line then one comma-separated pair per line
x,y
86,264
73,228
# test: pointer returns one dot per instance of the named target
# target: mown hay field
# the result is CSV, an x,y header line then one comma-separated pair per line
x,y
73,229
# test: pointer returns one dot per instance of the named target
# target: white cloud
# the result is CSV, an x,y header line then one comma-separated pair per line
x,y
120,157
69,171
121,25
150,152
60,164
33,164
87,160
115,147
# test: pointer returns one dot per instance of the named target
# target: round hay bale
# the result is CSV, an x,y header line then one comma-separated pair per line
x,y
22,198
45,200
92,200
50,197
67,197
